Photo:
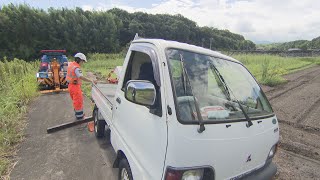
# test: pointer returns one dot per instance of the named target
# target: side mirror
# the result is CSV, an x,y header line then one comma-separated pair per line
x,y
140,92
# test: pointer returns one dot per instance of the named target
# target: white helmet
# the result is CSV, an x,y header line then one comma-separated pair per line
x,y
81,56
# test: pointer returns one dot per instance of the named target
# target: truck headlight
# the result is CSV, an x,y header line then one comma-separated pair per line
x,y
192,174
273,151
188,174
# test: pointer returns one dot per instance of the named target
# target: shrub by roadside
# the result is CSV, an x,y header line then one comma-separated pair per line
x,y
17,87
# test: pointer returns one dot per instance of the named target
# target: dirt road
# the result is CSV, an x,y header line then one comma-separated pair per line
x,y
69,154
76,154
297,105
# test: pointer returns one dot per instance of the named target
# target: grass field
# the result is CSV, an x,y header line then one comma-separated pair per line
x,y
17,87
100,65
268,69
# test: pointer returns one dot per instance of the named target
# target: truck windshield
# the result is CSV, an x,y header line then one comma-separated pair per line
x,y
220,87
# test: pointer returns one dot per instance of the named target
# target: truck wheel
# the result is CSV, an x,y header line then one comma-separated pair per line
x,y
42,87
124,170
99,125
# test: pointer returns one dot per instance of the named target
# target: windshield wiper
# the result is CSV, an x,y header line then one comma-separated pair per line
x,y
185,76
227,90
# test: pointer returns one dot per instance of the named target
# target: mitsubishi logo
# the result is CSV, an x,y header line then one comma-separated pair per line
x,y
249,158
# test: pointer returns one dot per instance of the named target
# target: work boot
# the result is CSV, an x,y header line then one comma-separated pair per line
x,y
83,125
82,118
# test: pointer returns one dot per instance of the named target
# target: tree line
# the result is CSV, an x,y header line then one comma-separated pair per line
x,y
314,44
25,30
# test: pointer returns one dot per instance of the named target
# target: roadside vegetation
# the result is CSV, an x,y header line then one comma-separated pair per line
x,y
17,87
269,69
103,63
301,44
100,65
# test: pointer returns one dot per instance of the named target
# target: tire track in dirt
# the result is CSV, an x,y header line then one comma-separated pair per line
x,y
306,152
303,157
295,166
296,105
290,89
303,116
309,129
299,141
293,84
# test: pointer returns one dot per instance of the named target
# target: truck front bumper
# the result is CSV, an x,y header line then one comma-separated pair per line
x,y
264,173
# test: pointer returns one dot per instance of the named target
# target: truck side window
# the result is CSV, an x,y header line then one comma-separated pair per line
x,y
139,68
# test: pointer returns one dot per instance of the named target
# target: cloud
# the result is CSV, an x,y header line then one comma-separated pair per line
x,y
257,20
244,27
87,7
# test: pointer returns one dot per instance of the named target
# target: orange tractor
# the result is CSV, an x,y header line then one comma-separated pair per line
x,y
53,71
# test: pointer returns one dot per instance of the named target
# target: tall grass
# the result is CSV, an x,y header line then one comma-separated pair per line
x,y
100,65
268,69
17,86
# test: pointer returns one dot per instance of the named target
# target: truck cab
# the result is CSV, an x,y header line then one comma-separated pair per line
x,y
184,112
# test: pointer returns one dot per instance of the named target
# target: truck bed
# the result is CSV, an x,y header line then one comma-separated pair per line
x,y
103,96
108,90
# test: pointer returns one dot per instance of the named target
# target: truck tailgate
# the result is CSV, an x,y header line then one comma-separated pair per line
x,y
103,96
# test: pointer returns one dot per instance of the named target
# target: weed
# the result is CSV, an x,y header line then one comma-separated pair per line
x,y
100,65
17,87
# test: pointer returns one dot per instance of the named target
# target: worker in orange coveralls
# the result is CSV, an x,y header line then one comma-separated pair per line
x,y
74,78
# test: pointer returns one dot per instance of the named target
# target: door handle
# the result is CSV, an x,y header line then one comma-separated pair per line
x,y
118,100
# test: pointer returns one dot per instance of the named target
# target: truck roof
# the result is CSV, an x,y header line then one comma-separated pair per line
x,y
174,44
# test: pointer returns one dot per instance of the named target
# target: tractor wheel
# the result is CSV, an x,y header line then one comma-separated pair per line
x,y
42,87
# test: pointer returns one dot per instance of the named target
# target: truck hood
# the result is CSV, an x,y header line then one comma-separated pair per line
x,y
230,151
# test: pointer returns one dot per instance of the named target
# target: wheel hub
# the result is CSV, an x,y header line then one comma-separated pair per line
x,y
124,174
96,122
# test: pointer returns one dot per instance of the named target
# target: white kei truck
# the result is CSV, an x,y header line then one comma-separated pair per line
x,y
182,112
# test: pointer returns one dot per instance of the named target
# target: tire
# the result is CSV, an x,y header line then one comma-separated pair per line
x,y
42,87
124,170
99,125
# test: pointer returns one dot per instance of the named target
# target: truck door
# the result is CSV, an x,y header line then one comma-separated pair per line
x,y
143,130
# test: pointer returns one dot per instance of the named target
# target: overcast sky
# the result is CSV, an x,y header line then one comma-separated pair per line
x,y
256,20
